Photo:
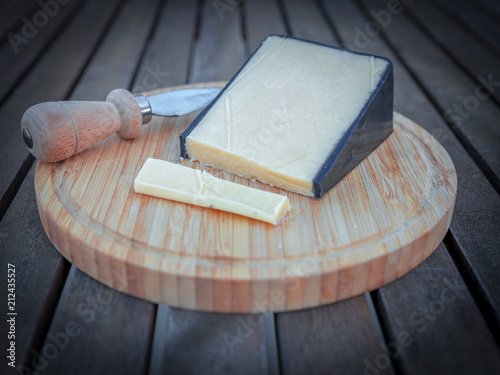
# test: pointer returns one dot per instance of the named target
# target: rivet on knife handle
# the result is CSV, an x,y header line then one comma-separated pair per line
x,y
78,125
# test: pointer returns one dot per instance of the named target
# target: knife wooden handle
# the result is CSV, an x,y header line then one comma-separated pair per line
x,y
54,131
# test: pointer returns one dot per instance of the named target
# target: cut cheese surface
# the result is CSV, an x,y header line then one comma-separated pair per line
x,y
175,182
285,112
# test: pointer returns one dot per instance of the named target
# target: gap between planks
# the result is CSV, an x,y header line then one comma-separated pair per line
x,y
477,290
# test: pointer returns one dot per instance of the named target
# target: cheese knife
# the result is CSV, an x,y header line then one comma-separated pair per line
x,y
54,131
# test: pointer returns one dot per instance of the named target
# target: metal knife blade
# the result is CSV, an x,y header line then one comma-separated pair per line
x,y
181,102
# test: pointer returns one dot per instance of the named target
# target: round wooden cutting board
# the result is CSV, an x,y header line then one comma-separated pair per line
x,y
379,222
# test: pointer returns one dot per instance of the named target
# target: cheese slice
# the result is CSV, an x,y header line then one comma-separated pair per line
x,y
167,180
298,115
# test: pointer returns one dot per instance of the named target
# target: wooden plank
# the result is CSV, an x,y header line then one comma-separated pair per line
x,y
475,21
95,330
445,332
16,58
51,79
118,57
175,31
97,313
476,59
306,21
473,116
11,14
474,224
191,341
6,4
262,18
339,336
40,271
342,336
490,8
195,342
41,268
219,50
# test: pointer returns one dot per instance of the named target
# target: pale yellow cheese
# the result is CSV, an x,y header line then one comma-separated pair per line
x,y
284,113
175,182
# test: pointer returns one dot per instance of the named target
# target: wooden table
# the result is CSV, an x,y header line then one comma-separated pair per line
x,y
441,318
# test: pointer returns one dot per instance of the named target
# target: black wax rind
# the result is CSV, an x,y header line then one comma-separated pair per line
x,y
371,127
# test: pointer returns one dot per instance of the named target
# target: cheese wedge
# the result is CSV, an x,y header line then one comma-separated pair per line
x,y
298,115
167,180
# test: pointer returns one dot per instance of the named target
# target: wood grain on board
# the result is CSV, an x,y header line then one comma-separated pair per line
x,y
53,66
382,220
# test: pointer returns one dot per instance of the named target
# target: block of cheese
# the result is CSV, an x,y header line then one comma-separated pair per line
x,y
167,180
299,115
